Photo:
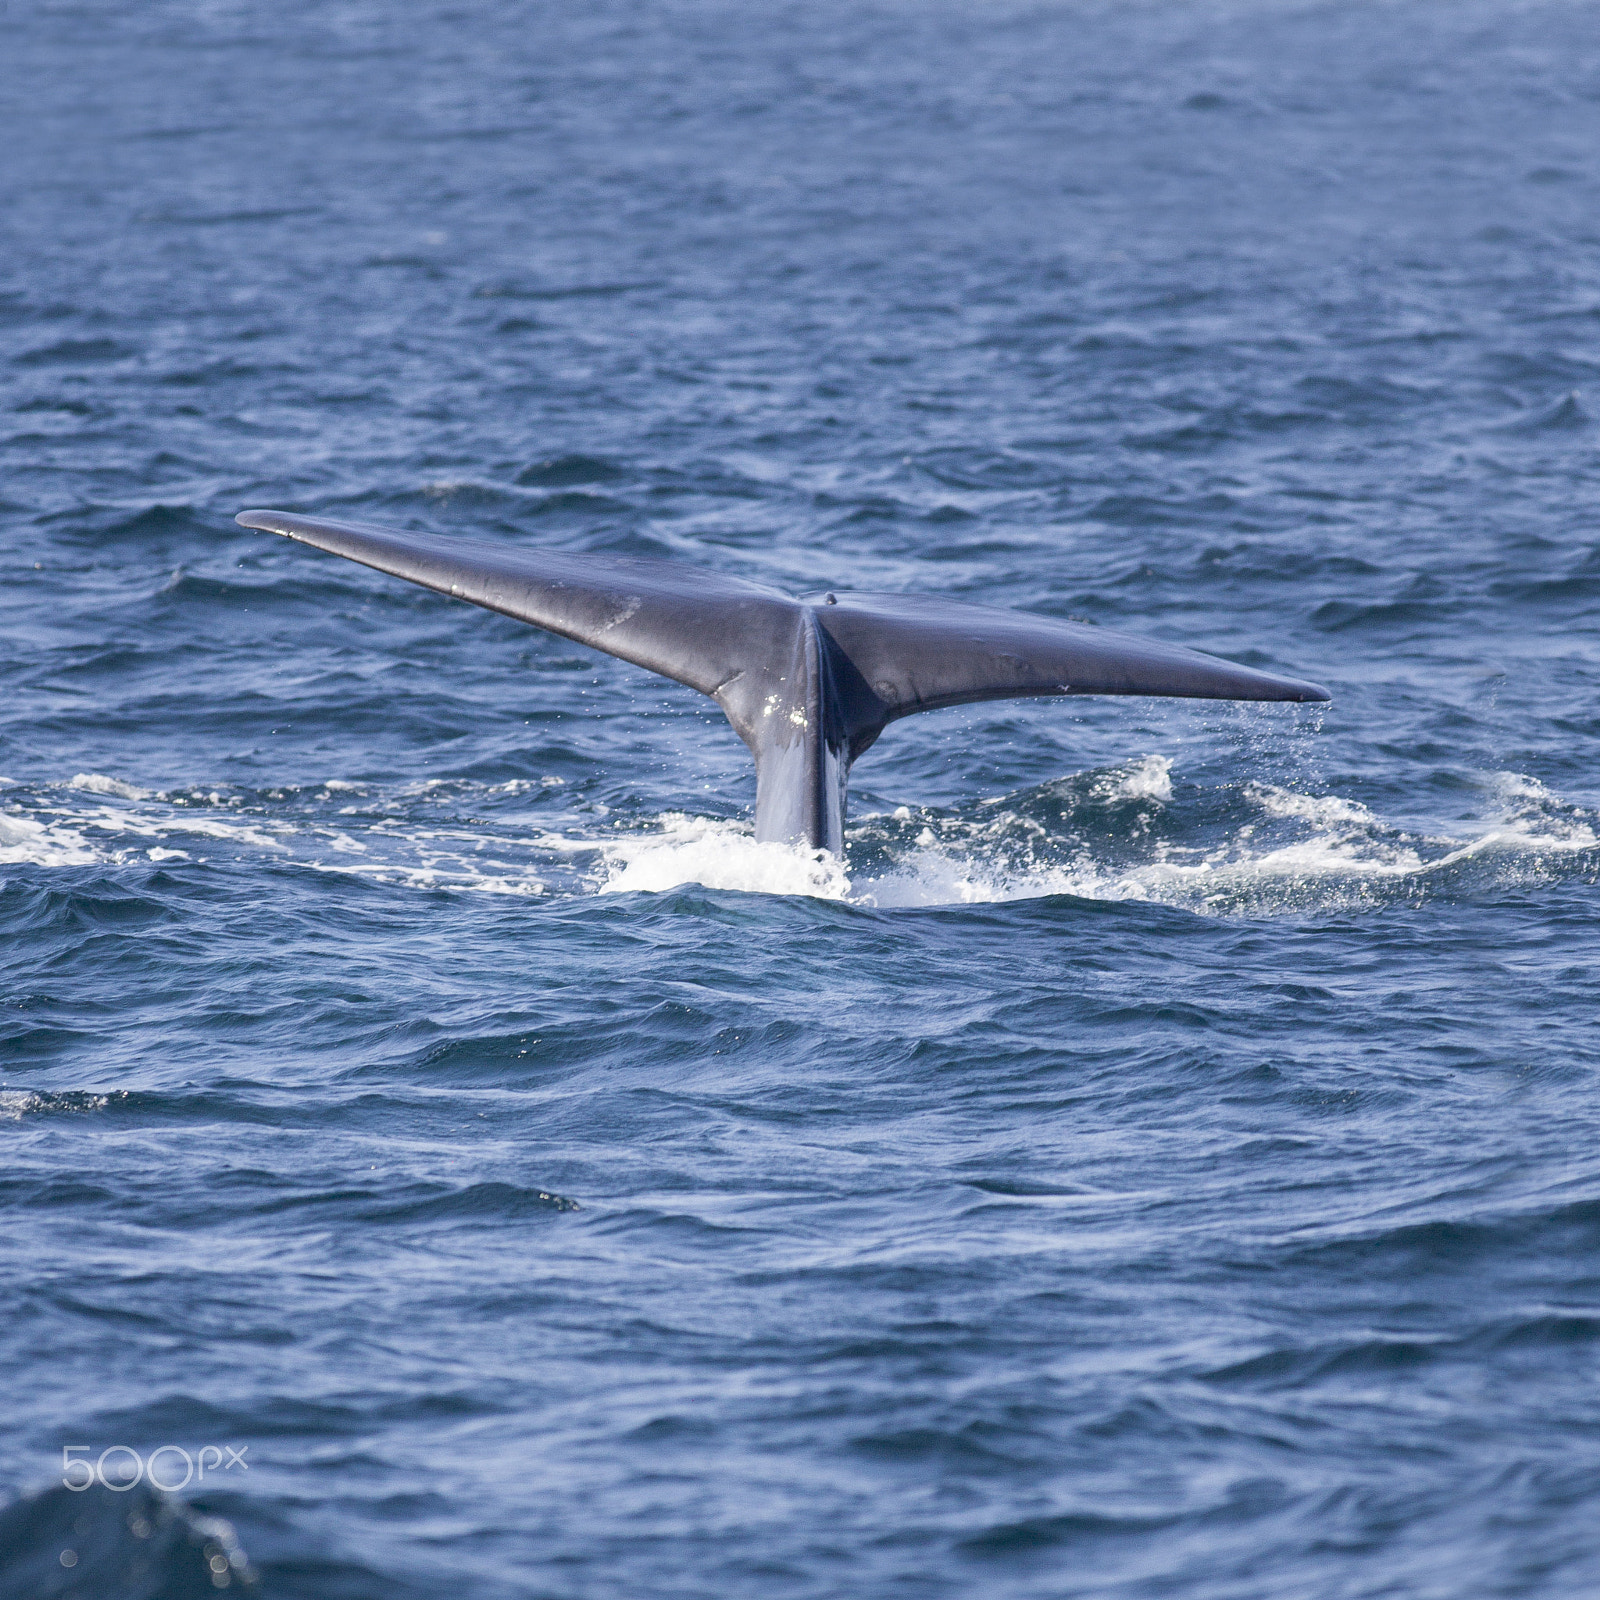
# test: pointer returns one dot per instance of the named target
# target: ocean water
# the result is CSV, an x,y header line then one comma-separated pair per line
x,y
1161,1159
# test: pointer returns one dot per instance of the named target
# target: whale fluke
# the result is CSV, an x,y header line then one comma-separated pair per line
x,y
807,683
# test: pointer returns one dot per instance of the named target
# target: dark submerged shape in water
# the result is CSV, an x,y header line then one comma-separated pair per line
x,y
808,684
117,1544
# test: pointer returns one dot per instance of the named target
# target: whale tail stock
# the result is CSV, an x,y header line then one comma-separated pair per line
x,y
808,684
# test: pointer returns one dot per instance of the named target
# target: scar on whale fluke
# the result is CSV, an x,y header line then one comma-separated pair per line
x,y
808,684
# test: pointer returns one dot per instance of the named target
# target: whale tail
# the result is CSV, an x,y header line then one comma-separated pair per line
x,y
807,683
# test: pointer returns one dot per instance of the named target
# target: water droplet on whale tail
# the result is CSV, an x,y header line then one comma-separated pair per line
x,y
807,683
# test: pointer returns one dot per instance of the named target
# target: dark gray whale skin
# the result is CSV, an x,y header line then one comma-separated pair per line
x,y
808,684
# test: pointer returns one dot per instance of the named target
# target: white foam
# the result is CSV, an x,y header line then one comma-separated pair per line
x,y
1148,778
1324,810
1518,786
937,876
15,1104
718,855
1345,857
434,857
43,844
99,783
437,875
1349,857
1292,851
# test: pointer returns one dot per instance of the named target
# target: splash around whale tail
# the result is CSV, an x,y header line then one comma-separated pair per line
x,y
807,683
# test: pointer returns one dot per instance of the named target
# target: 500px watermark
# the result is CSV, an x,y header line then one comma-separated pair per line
x,y
120,1467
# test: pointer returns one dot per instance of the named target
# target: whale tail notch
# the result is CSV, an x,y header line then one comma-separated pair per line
x,y
807,683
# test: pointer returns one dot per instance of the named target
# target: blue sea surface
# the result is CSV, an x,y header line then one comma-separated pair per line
x,y
1163,1158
